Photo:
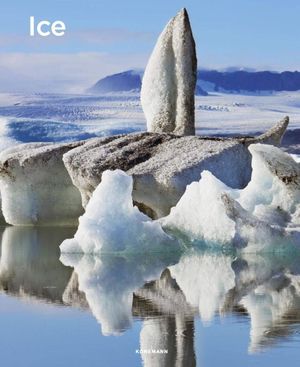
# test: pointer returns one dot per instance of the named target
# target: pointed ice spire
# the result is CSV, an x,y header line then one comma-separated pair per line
x,y
169,80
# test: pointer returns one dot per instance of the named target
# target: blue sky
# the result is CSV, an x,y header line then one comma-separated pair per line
x,y
105,36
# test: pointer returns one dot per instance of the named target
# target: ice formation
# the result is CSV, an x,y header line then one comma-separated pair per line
x,y
169,81
265,212
36,187
163,164
111,223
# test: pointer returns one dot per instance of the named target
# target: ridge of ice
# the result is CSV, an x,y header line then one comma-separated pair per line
x,y
169,81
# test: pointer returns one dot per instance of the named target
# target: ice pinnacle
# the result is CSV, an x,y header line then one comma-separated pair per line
x,y
169,81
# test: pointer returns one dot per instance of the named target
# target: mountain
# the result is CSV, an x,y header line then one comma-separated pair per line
x,y
258,81
130,80
231,81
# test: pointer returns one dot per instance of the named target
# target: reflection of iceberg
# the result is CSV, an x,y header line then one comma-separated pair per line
x,y
118,288
168,342
269,306
167,339
30,265
110,281
265,286
271,297
205,281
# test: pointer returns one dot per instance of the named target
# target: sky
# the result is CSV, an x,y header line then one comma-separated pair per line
x,y
108,36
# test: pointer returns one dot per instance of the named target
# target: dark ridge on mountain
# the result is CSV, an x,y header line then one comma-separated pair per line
x,y
130,80
233,81
238,81
121,82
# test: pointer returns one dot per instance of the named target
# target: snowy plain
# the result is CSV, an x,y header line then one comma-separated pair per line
x,y
54,117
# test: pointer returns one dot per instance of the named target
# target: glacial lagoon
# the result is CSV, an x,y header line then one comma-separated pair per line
x,y
200,307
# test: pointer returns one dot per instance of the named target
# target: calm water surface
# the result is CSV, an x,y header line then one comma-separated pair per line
x,y
200,308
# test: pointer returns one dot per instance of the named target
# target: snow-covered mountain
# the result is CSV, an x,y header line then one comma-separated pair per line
x,y
250,81
129,80
230,81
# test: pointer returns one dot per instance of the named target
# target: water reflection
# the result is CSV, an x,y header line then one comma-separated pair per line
x,y
109,282
29,264
168,293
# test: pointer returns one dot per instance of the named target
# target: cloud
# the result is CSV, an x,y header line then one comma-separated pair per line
x,y
70,73
96,36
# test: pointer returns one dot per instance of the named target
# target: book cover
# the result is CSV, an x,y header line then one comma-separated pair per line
x,y
150,183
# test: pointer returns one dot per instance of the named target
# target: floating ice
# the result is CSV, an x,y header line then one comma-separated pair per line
x,y
112,223
36,187
266,211
169,81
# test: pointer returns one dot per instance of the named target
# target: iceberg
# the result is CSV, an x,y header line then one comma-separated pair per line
x,y
169,81
111,223
265,212
35,185
263,215
162,165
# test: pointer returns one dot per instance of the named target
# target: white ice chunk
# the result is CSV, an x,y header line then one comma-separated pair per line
x,y
267,210
273,193
36,187
200,212
111,223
